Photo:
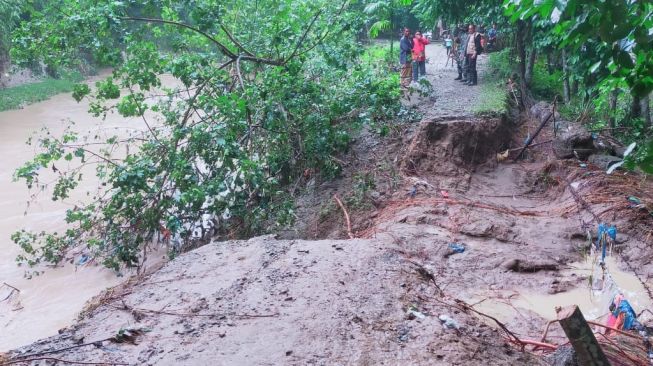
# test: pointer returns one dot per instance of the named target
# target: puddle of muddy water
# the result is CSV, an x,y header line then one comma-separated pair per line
x,y
592,301
50,301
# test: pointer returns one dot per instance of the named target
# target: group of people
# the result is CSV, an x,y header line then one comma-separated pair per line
x,y
465,48
412,56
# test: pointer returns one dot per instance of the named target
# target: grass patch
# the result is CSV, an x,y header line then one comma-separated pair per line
x,y
492,99
18,96
493,96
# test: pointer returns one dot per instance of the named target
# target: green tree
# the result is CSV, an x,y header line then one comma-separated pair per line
x,y
10,12
609,43
384,13
271,91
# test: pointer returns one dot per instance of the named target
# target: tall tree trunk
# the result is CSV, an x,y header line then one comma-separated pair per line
x,y
646,110
530,66
565,81
520,40
4,65
574,87
636,107
614,95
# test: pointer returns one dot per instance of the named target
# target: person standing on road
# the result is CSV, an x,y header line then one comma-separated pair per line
x,y
472,50
405,47
419,56
460,56
448,42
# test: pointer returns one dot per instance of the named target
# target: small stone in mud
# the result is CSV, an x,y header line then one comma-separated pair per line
x,y
288,353
222,334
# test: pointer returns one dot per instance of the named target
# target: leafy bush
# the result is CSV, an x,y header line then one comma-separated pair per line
x,y
546,85
244,126
501,65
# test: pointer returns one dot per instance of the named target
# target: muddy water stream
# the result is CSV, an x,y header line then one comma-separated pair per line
x,y
592,300
52,300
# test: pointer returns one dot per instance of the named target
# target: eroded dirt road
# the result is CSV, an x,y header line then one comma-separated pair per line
x,y
402,293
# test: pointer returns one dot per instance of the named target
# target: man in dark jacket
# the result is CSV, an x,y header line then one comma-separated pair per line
x,y
406,47
473,48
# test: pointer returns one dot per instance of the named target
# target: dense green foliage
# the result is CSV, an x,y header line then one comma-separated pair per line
x,y
385,15
610,46
269,92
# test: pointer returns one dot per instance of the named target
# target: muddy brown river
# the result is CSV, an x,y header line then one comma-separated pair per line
x,y
52,300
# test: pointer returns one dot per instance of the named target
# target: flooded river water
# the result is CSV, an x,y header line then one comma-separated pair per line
x,y
52,300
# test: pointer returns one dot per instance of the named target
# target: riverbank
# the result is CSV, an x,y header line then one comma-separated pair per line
x,y
19,96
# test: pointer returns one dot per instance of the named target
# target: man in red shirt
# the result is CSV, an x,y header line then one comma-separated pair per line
x,y
419,56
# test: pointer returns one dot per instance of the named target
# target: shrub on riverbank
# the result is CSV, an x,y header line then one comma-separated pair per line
x,y
19,96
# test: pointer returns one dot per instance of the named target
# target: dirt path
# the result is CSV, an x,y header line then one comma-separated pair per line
x,y
454,98
399,294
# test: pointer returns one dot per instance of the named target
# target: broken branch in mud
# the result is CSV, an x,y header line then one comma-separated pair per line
x,y
134,310
526,342
614,329
537,132
546,329
38,354
10,286
344,211
13,289
532,145
580,201
426,275
15,362
622,353
465,307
